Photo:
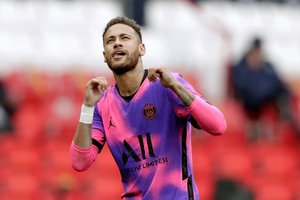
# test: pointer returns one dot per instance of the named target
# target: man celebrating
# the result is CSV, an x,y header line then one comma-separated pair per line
x,y
145,118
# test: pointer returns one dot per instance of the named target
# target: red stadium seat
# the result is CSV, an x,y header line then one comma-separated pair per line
x,y
237,127
28,123
25,160
278,164
23,186
274,192
235,165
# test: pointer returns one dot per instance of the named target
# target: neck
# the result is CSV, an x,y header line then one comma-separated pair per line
x,y
129,82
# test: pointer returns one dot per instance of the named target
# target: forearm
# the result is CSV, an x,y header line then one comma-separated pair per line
x,y
208,117
82,137
186,96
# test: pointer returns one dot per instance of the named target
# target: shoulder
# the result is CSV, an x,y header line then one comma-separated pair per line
x,y
269,68
176,75
107,94
106,99
179,77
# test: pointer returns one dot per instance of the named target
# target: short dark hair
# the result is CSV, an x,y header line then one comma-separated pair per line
x,y
123,20
257,42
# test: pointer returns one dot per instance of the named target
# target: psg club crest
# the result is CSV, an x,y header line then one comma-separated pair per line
x,y
149,111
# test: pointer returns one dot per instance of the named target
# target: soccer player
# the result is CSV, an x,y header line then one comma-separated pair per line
x,y
145,119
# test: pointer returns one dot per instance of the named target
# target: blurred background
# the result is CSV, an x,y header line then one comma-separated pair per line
x,y
50,48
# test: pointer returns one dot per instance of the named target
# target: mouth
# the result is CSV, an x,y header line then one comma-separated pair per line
x,y
118,54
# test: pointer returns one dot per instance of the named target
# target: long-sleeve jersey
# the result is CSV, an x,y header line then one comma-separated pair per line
x,y
150,139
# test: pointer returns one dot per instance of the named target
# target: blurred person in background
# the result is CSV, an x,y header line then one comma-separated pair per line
x,y
145,118
135,9
257,85
6,110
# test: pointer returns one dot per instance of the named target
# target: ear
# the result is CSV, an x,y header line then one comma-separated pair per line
x,y
142,49
104,56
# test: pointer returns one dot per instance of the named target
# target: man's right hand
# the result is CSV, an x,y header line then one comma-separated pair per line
x,y
94,90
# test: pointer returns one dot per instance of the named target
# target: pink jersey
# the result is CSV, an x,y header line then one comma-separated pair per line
x,y
150,139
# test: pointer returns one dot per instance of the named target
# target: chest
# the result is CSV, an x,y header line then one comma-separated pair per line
x,y
146,113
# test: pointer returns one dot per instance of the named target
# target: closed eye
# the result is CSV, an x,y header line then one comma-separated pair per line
x,y
109,41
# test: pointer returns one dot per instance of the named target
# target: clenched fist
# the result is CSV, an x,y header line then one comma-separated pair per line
x,y
165,77
94,90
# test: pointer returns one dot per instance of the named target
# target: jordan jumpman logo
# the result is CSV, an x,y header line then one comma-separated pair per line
x,y
111,123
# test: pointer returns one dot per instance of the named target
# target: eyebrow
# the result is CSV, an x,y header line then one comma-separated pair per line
x,y
122,34
105,39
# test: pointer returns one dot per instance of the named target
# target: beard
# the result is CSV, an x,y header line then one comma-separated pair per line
x,y
126,66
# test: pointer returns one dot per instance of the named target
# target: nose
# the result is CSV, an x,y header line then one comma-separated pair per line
x,y
117,43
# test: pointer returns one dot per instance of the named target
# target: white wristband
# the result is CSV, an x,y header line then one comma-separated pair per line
x,y
86,115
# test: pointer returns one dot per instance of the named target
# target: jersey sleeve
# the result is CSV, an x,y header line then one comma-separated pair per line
x,y
98,133
207,116
82,158
200,113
